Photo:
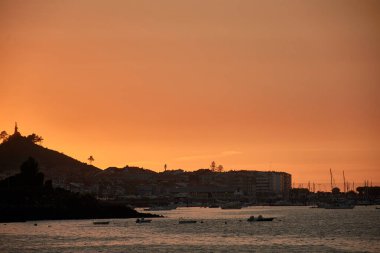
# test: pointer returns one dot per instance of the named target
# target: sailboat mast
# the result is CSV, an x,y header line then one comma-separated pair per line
x,y
331,180
344,182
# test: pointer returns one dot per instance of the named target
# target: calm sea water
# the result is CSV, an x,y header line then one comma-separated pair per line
x,y
295,229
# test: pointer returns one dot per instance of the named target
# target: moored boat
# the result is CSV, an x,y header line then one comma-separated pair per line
x,y
101,222
143,220
259,218
187,222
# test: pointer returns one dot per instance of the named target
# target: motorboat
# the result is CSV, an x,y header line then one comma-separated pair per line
x,y
143,220
101,222
187,221
259,218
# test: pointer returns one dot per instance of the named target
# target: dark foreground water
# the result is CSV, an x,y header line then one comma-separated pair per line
x,y
295,229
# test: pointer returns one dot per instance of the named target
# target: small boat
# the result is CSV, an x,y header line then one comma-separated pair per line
x,y
213,206
143,220
101,222
259,218
187,221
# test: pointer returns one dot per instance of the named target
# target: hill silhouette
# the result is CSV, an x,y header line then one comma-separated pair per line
x,y
55,165
27,196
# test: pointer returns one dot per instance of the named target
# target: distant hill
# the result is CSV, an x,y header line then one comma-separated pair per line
x,y
136,174
53,164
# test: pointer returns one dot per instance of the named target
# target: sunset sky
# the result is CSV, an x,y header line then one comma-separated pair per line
x,y
260,85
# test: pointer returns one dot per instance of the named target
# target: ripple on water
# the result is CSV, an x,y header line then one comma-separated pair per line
x,y
296,229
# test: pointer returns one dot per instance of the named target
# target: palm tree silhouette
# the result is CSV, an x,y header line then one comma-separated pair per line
x,y
91,159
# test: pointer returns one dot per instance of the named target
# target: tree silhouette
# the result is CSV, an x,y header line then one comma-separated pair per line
x,y
39,139
29,167
213,166
91,159
30,177
35,138
3,135
220,168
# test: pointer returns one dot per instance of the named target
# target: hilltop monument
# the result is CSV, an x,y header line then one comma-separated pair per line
x,y
16,133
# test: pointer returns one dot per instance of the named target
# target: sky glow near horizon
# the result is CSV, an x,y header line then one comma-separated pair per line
x,y
264,85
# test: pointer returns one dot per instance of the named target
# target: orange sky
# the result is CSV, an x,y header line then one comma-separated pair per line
x,y
267,85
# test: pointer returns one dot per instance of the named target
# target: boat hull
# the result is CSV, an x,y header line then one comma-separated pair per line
x,y
262,219
143,221
101,222
187,221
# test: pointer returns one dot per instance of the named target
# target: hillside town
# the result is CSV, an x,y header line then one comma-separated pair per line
x,y
143,187
201,186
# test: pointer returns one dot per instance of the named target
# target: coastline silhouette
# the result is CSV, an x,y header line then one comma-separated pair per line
x,y
27,196
213,187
